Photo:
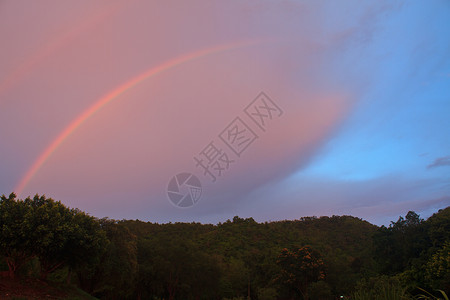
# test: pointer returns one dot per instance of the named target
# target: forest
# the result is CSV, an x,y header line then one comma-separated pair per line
x,y
337,257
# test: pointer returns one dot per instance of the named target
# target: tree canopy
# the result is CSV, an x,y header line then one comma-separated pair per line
x,y
45,229
308,258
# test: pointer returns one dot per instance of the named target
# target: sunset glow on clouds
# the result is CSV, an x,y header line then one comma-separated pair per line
x,y
103,102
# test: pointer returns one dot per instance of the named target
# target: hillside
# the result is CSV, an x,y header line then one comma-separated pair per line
x,y
45,245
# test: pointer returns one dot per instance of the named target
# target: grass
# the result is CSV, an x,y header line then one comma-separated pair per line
x,y
393,292
429,296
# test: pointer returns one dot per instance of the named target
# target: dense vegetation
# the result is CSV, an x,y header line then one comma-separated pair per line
x,y
309,258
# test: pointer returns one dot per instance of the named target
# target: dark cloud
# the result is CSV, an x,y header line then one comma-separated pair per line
x,y
440,162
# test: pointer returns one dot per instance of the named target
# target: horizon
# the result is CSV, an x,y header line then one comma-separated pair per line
x,y
250,217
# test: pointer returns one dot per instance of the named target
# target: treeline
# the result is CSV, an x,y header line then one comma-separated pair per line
x,y
309,258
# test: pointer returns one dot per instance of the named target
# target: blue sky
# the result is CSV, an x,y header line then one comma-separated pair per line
x,y
402,123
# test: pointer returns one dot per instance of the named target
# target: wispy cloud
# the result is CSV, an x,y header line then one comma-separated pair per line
x,y
440,162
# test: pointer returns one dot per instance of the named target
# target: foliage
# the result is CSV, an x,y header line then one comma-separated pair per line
x,y
429,296
399,245
236,259
300,267
438,268
45,229
114,276
383,288
320,290
16,237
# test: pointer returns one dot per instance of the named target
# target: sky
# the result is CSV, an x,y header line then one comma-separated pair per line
x,y
198,111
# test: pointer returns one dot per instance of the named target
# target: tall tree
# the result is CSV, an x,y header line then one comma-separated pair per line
x,y
44,228
438,269
299,268
400,245
113,276
15,232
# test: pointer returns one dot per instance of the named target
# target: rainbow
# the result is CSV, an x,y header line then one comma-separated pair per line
x,y
114,94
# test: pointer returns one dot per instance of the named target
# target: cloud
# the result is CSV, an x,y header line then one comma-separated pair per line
x,y
144,137
379,200
440,162
119,162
